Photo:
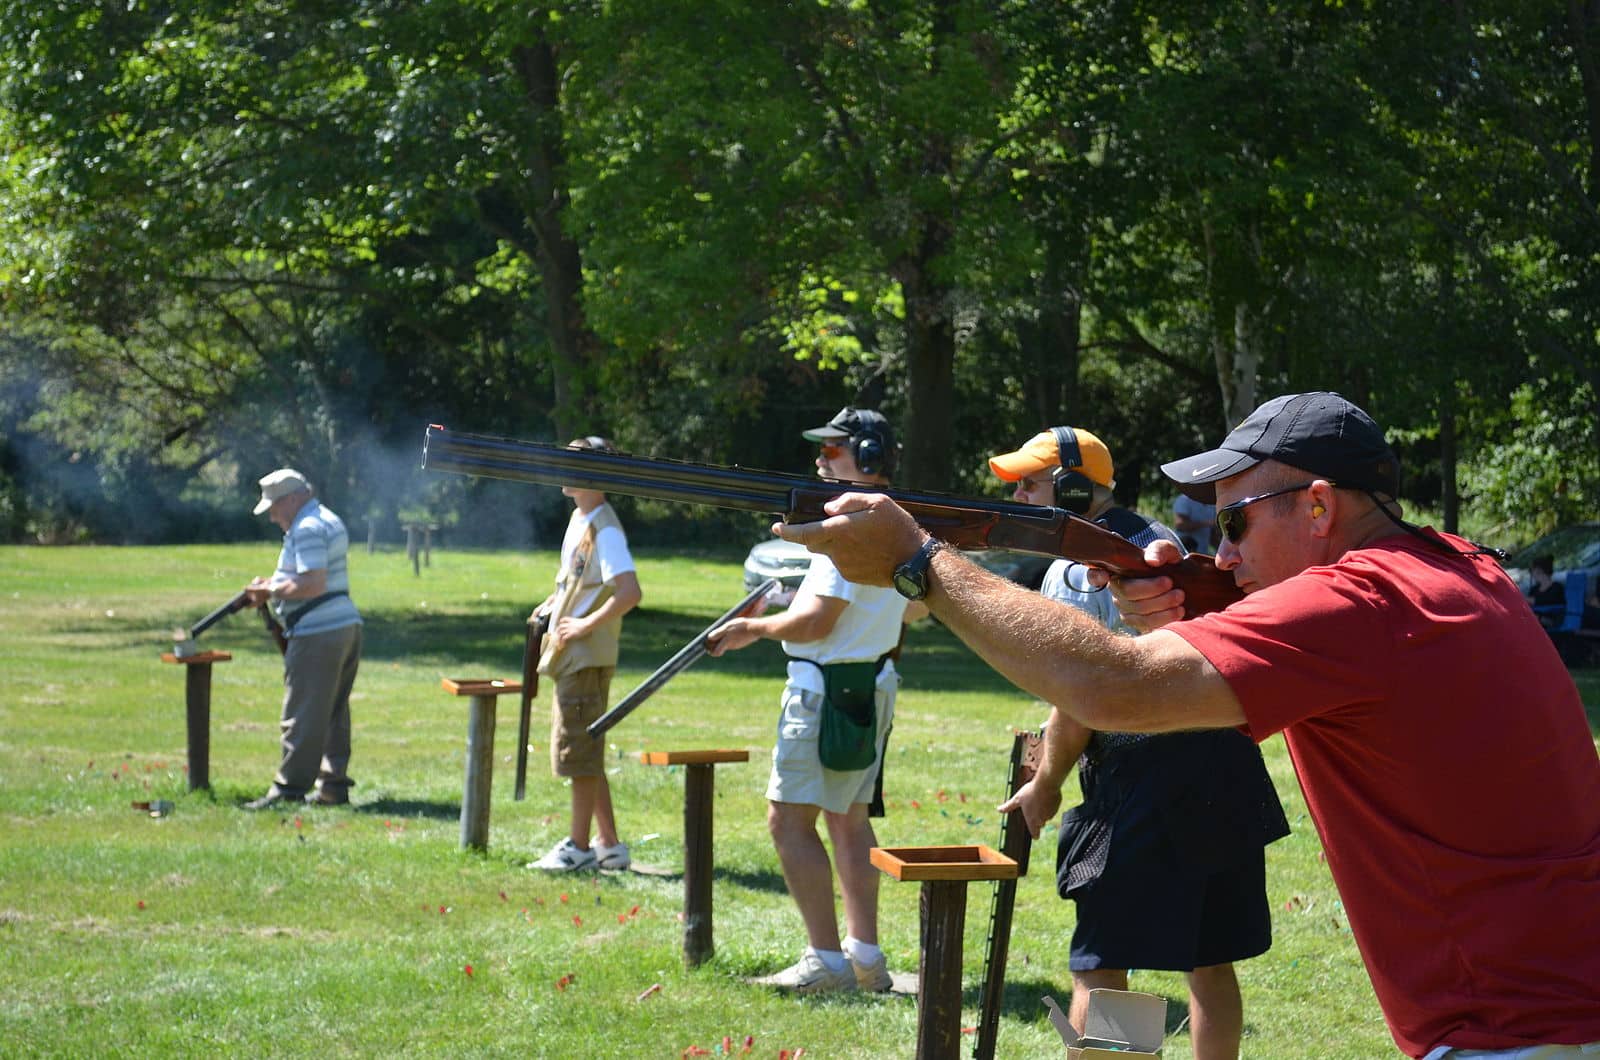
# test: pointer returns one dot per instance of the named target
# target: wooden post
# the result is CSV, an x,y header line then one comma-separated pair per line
x,y
943,911
944,872
479,781
427,546
480,774
411,549
197,711
699,791
699,800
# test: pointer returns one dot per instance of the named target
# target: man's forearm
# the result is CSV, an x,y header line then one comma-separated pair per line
x,y
1064,742
1100,680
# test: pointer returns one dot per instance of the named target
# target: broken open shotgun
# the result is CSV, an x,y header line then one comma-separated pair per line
x,y
963,522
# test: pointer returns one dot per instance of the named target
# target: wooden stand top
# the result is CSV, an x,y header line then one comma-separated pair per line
x,y
199,657
691,758
479,686
976,862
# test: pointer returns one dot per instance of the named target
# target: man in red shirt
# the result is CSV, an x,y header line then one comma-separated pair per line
x,y
1441,745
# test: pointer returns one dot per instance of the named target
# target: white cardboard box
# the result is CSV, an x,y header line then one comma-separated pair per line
x,y
1120,1025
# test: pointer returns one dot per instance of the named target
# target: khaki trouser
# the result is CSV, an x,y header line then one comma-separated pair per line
x,y
319,670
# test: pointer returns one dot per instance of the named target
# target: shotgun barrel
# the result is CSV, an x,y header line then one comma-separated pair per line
x,y
681,660
238,603
963,522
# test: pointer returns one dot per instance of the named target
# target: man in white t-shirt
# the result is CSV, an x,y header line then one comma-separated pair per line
x,y
831,621
1196,523
595,587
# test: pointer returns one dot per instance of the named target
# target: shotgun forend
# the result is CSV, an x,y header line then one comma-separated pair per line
x,y
963,522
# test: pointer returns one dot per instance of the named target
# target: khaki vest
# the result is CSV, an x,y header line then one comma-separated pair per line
x,y
600,647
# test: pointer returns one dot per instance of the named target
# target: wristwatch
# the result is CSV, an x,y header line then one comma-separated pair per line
x,y
911,577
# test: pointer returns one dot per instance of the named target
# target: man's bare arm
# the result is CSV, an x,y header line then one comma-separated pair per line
x,y
1151,683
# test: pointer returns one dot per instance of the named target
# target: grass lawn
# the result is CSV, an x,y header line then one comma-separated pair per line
x,y
366,931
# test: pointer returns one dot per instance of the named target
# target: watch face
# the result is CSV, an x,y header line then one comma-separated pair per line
x,y
911,586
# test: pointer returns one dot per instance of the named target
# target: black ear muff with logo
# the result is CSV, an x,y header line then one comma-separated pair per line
x,y
1074,491
871,455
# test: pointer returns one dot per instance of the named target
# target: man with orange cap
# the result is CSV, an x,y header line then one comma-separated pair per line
x,y
1164,855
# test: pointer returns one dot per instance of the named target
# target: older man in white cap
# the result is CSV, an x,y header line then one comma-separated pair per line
x,y
310,592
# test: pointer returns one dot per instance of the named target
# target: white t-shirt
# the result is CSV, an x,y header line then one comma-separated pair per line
x,y
610,550
867,628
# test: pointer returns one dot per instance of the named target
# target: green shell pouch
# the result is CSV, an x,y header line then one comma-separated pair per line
x,y
848,739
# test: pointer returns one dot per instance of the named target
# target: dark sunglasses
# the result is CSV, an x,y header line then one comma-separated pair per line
x,y
832,450
1231,519
1028,483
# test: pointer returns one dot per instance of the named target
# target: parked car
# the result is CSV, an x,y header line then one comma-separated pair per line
x,y
1575,547
788,562
780,559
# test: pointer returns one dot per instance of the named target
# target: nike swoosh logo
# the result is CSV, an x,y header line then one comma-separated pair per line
x,y
1197,472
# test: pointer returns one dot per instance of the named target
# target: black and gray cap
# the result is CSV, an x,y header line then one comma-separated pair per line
x,y
851,422
1319,432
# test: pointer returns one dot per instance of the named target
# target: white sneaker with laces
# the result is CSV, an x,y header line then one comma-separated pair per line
x,y
615,858
873,977
809,975
565,857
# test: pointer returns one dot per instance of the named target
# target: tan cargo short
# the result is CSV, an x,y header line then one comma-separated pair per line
x,y
580,699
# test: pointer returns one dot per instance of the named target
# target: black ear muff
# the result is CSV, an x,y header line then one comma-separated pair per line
x,y
1074,491
868,452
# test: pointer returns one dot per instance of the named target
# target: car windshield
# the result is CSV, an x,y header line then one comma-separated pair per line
x,y
1572,547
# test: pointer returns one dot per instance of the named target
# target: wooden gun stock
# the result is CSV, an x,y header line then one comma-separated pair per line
x,y
274,628
532,647
959,521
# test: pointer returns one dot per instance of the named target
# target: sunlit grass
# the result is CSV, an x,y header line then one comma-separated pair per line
x,y
351,931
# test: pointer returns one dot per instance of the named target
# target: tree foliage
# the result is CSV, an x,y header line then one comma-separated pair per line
x,y
238,233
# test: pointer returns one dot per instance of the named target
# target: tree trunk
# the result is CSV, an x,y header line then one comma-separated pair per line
x,y
930,383
556,254
1449,499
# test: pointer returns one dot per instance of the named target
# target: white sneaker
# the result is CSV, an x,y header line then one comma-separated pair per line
x,y
809,975
615,858
874,977
565,857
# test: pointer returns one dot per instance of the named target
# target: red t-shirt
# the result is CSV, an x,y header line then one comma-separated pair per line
x,y
1444,755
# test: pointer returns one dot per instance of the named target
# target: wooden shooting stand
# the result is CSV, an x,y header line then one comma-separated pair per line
x,y
426,530
944,872
197,702
699,789
480,753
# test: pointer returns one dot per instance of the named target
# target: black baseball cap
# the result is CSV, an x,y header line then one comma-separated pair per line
x,y
850,423
1319,432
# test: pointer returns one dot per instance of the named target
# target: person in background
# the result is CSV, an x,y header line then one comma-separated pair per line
x,y
832,624
310,592
1545,591
1164,856
595,586
1196,524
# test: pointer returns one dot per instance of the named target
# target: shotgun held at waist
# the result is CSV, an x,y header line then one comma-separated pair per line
x,y
962,522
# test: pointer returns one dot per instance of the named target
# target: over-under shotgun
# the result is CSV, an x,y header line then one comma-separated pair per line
x,y
962,522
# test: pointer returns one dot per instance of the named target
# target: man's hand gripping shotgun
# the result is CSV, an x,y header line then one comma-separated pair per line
x,y
958,521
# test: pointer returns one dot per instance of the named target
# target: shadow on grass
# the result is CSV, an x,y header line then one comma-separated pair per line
x,y
759,880
488,638
441,811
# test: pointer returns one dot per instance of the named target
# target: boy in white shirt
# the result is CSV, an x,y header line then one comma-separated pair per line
x,y
595,587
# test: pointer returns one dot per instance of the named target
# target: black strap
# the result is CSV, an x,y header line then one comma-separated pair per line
x,y
292,620
877,666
